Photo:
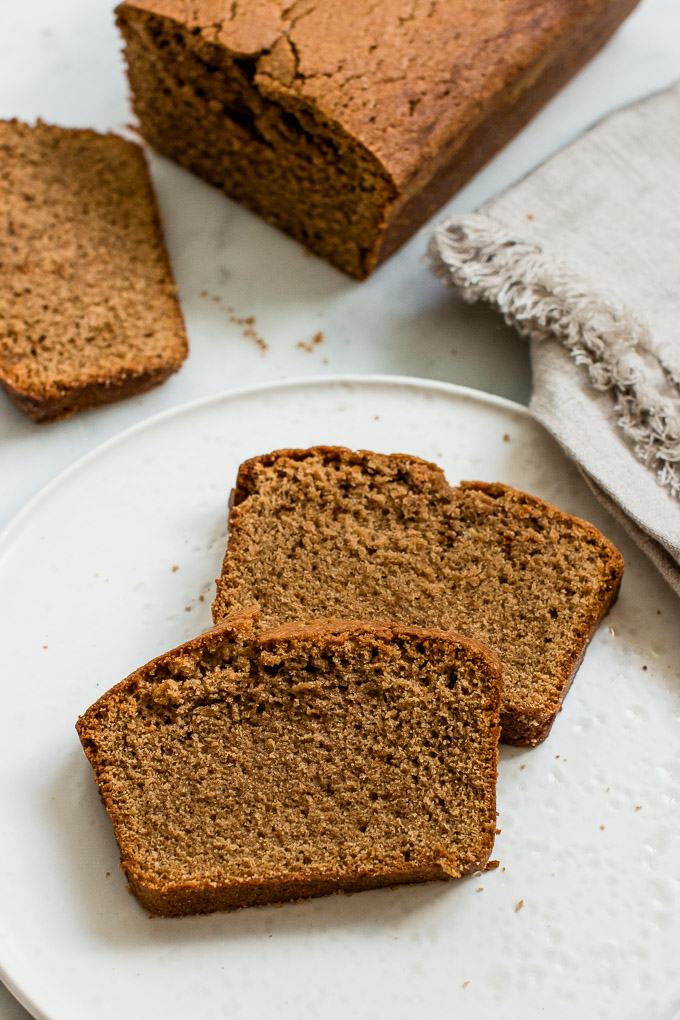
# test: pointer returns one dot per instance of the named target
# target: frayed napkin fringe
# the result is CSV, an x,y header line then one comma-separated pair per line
x,y
543,299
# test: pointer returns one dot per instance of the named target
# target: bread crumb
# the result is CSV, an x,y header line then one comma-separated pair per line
x,y
530,216
502,869
638,807
44,646
602,827
465,984
608,789
492,865
480,888
201,598
644,667
522,767
108,874
187,609
519,906
309,347
506,437
376,417
175,568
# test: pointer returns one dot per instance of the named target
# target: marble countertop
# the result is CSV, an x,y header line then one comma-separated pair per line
x,y
62,63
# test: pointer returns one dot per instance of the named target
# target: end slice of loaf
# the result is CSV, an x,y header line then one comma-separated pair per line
x,y
88,307
247,768
331,532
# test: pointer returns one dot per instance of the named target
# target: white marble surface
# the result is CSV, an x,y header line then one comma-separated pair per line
x,y
62,62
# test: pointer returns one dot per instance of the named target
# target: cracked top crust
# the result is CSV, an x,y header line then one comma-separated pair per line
x,y
407,78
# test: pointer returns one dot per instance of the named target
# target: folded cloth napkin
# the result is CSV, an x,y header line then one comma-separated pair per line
x,y
583,257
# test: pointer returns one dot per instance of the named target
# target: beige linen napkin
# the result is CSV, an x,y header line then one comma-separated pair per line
x,y
583,257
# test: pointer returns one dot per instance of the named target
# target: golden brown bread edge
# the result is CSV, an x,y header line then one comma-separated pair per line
x,y
55,406
519,726
180,899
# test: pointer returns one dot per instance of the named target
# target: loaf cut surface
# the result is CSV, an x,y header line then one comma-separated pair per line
x,y
88,307
349,124
331,532
339,755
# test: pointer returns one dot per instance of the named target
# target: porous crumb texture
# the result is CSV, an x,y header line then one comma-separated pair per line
x,y
331,532
334,756
88,307
348,125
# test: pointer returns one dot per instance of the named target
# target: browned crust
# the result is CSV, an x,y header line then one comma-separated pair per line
x,y
81,398
245,480
506,118
198,898
520,725
168,899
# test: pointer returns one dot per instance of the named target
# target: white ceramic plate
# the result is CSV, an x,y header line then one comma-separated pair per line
x,y
114,562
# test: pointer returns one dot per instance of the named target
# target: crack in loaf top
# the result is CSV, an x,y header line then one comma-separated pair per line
x,y
406,78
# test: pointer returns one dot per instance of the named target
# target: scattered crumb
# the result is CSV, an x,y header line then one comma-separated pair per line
x,y
245,322
502,869
506,437
530,216
325,361
638,807
480,888
557,755
187,609
522,767
201,598
309,347
44,646
175,569
658,612
108,874
608,789
644,667
376,417
519,906
602,827
492,865
465,984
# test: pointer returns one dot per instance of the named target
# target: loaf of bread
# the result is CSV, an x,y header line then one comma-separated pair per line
x,y
88,307
349,124
243,769
331,532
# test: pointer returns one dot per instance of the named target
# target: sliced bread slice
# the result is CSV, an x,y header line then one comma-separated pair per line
x,y
331,532
88,307
247,769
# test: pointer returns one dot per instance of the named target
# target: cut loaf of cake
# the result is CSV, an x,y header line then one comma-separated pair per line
x,y
247,768
331,532
88,307
349,124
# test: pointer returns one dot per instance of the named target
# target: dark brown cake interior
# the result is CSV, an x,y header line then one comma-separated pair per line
x,y
332,533
338,752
